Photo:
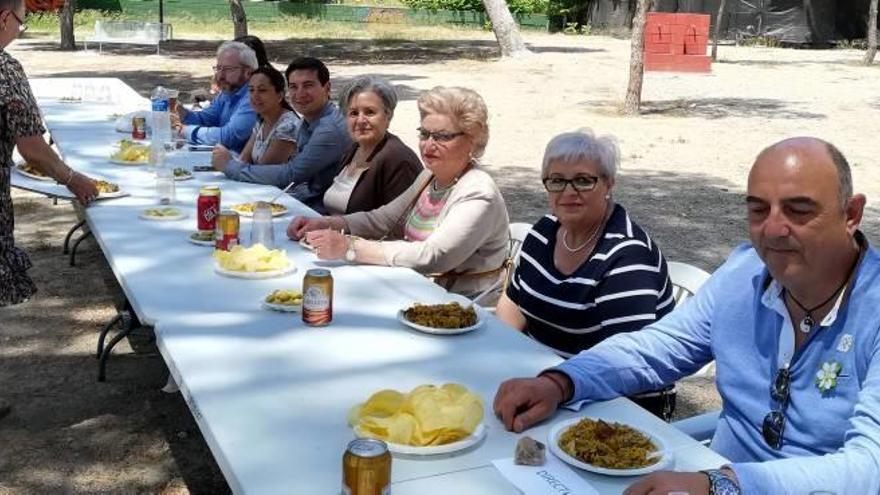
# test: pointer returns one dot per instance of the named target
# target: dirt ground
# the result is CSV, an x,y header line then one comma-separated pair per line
x,y
684,166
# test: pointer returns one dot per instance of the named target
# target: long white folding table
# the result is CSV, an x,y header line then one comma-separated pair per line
x,y
270,394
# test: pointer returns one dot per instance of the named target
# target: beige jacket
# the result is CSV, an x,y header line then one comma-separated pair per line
x,y
471,235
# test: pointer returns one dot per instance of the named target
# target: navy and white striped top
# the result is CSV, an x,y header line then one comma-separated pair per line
x,y
621,287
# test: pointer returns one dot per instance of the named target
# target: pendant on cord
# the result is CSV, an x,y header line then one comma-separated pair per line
x,y
807,323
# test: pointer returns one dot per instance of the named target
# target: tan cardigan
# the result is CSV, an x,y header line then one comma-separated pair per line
x,y
471,235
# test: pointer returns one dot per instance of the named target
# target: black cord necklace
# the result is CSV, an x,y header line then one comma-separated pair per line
x,y
806,324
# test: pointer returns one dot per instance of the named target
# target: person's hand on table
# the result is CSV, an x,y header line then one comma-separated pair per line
x,y
220,156
83,188
328,244
670,482
522,402
298,227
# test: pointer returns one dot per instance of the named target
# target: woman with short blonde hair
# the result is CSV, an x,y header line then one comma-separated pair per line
x,y
451,224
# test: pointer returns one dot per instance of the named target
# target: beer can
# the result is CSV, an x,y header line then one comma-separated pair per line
x,y
226,235
317,307
139,128
366,468
208,207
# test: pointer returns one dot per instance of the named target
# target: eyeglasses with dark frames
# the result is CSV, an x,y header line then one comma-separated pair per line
x,y
774,422
438,136
581,183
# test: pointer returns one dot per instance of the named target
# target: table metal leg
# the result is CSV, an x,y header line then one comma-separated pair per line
x,y
126,327
76,245
70,234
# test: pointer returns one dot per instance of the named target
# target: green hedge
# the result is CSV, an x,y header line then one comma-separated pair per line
x,y
271,11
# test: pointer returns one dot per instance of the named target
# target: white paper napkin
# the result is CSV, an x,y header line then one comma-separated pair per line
x,y
553,478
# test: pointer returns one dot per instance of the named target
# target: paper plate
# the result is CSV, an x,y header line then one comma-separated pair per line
x,y
123,162
118,194
199,242
179,178
557,429
44,178
441,331
249,214
476,437
181,215
284,308
255,275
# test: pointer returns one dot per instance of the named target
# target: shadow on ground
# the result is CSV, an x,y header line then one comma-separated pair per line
x,y
670,206
144,81
339,51
708,108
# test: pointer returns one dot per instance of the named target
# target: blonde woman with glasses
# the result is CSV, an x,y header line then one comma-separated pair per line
x,y
451,224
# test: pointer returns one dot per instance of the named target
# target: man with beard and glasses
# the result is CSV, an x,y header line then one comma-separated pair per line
x,y
230,118
792,323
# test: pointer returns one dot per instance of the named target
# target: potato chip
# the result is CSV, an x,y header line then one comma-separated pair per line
x,y
253,259
427,415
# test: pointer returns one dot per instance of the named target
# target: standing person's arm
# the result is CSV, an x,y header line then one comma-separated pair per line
x,y
35,150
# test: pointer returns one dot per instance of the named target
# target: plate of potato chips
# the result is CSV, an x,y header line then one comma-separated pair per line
x,y
284,300
255,262
130,153
428,420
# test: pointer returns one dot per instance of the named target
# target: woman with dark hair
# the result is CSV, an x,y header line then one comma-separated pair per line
x,y
256,44
273,139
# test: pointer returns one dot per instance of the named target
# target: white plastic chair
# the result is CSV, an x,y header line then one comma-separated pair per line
x,y
518,232
686,280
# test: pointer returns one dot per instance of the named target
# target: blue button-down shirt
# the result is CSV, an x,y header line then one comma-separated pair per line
x,y
228,121
831,439
320,145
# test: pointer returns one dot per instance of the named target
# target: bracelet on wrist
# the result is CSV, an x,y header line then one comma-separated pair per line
x,y
71,172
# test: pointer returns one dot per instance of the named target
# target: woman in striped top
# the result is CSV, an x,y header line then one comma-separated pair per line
x,y
586,272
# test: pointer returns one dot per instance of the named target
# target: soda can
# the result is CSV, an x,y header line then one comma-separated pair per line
x,y
366,468
208,207
139,128
226,235
317,307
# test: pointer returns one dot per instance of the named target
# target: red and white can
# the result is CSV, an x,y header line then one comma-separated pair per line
x,y
208,208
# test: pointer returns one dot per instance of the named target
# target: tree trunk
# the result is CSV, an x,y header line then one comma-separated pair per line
x,y
872,33
68,39
505,28
239,18
637,60
717,33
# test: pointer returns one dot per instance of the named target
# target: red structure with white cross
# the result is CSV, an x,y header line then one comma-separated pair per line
x,y
677,42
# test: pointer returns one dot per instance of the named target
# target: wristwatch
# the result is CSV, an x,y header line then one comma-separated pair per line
x,y
720,483
350,254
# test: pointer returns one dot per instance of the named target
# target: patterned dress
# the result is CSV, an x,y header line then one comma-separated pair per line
x,y
19,117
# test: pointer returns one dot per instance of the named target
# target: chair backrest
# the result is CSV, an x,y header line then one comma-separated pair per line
x,y
686,280
518,232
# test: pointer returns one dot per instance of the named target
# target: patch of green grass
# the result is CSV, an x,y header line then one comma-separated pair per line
x,y
46,25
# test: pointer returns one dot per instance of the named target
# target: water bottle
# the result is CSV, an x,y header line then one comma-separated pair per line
x,y
161,120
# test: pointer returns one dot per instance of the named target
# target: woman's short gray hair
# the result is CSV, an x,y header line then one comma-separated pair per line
x,y
383,89
246,54
583,145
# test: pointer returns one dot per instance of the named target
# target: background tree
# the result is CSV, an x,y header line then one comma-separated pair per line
x,y
239,18
872,33
633,100
505,28
68,39
717,32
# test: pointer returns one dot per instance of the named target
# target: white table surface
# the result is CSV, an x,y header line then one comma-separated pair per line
x,y
271,395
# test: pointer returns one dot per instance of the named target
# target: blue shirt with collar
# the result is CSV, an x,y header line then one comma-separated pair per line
x,y
831,439
228,121
320,144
